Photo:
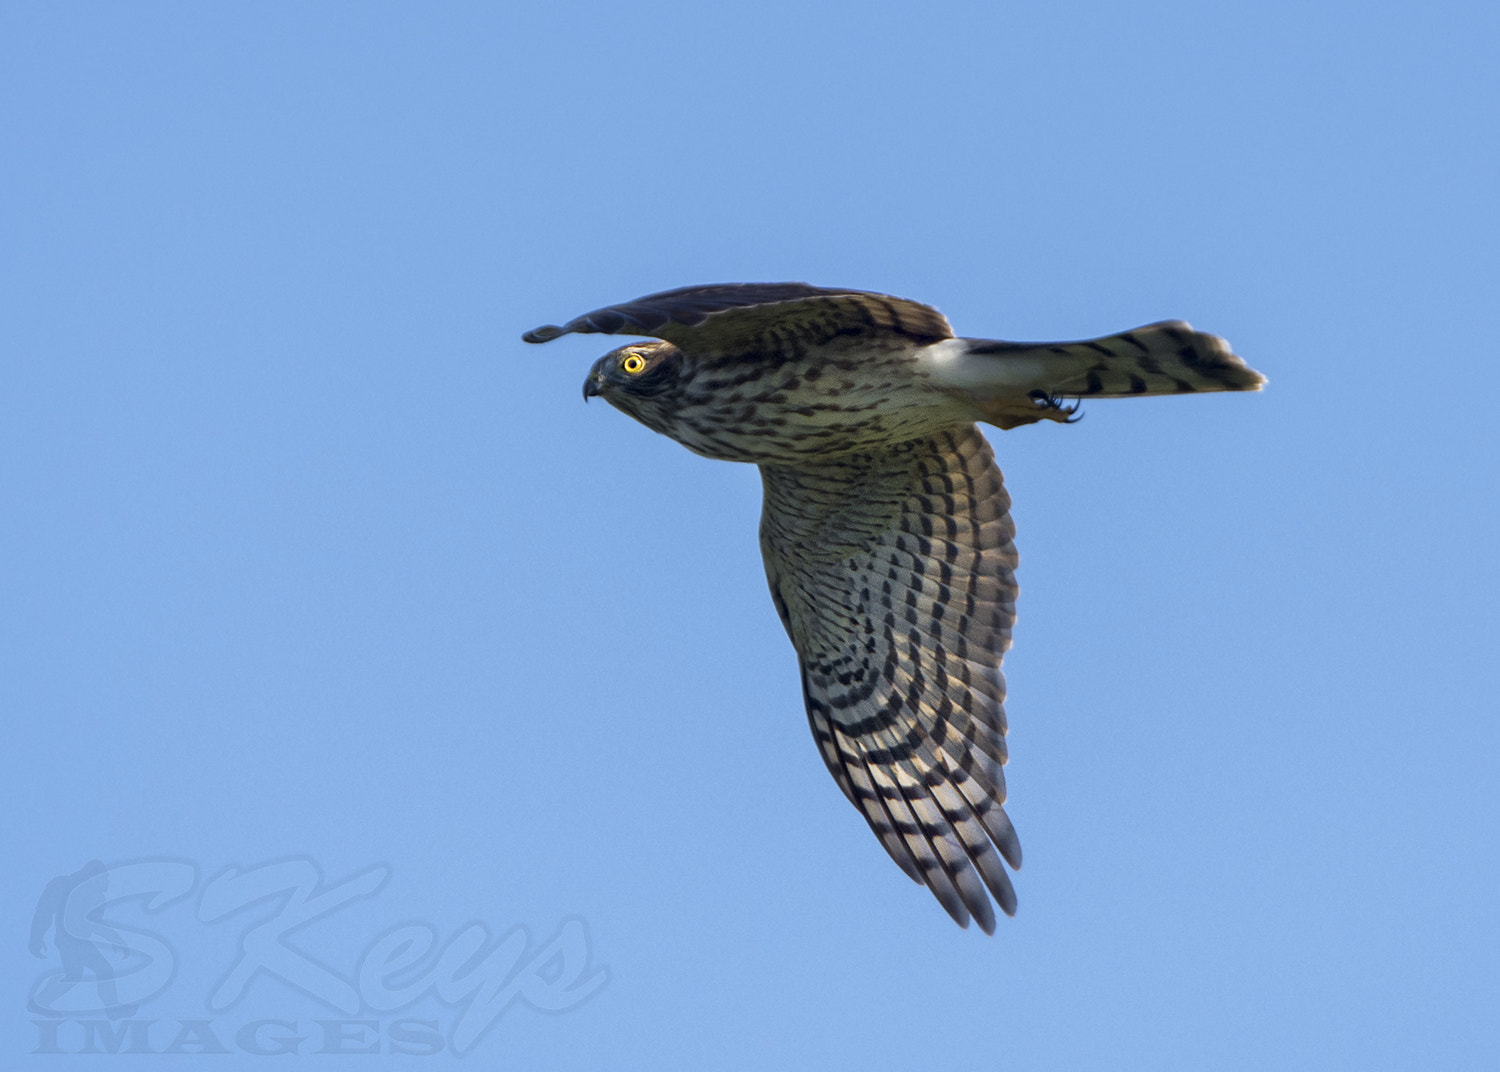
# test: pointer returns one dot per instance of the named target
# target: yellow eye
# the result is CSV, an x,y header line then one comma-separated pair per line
x,y
632,363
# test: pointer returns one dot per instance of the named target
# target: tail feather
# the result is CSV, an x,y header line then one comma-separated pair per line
x,y
1168,358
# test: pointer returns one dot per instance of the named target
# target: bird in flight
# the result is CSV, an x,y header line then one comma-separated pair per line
x,y
886,530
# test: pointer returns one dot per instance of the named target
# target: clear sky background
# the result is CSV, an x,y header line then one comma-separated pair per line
x,y
305,556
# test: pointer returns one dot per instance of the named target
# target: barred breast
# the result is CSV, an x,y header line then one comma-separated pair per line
x,y
840,400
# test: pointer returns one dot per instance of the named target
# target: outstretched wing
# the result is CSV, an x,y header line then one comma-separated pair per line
x,y
730,319
893,573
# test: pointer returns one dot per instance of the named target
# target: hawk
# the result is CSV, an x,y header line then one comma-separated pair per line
x,y
886,531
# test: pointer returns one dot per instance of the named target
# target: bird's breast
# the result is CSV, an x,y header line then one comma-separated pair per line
x,y
790,412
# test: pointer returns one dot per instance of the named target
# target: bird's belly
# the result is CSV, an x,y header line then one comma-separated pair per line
x,y
787,429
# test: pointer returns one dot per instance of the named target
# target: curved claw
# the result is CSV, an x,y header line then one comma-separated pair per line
x,y
1055,409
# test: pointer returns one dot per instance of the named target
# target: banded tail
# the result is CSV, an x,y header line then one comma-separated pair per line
x,y
1016,383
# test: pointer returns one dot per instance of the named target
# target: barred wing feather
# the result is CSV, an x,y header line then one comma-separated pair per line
x,y
893,573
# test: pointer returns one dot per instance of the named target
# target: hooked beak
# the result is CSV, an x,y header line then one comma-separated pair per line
x,y
594,385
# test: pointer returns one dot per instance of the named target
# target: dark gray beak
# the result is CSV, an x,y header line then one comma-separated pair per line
x,y
593,387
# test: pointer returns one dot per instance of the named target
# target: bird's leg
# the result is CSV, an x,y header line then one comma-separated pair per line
x,y
1008,413
1055,409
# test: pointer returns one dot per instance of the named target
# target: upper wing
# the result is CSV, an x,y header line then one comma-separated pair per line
x,y
740,318
893,573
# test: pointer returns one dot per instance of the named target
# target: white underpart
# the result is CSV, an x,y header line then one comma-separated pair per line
x,y
986,376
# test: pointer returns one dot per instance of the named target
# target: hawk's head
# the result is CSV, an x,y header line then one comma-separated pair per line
x,y
640,380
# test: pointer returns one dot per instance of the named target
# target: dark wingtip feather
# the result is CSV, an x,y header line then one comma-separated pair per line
x,y
545,333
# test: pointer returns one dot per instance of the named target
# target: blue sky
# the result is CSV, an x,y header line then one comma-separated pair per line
x,y
311,568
